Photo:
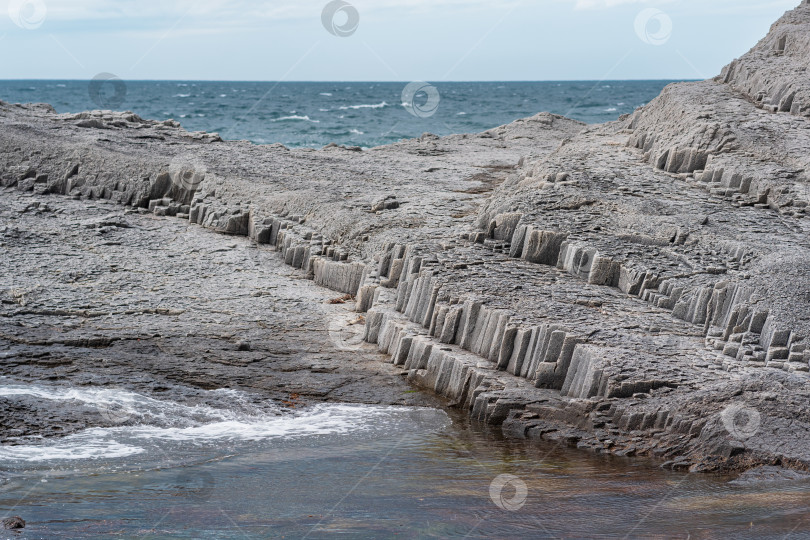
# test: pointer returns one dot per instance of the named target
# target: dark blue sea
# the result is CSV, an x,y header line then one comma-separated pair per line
x,y
354,113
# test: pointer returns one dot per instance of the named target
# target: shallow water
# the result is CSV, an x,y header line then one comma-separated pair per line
x,y
232,467
314,114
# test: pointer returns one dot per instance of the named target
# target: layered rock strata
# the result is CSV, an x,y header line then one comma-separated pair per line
x,y
638,287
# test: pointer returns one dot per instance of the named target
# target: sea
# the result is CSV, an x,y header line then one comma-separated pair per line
x,y
314,114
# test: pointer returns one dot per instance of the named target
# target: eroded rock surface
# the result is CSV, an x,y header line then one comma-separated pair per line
x,y
638,287
97,295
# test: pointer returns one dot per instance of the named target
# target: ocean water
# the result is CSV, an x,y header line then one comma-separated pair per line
x,y
313,114
229,468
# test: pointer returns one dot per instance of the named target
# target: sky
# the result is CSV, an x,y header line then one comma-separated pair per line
x,y
379,40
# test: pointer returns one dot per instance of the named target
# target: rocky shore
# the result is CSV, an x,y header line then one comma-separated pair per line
x,y
637,288
99,295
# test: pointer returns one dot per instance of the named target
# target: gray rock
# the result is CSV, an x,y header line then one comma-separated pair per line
x,y
15,522
638,287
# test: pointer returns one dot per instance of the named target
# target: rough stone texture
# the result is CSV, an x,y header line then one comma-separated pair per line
x,y
15,522
97,294
638,287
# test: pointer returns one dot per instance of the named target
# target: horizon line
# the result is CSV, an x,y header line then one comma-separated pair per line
x,y
369,81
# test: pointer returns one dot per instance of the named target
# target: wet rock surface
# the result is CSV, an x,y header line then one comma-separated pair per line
x,y
15,522
768,474
634,288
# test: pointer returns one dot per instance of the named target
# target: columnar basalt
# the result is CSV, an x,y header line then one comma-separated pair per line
x,y
617,287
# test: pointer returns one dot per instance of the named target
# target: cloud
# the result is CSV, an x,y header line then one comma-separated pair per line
x,y
597,4
149,16
225,15
273,9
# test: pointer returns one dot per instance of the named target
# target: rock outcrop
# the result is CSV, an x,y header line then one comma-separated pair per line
x,y
638,287
15,522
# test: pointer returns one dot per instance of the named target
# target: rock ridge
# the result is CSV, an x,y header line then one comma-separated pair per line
x,y
635,288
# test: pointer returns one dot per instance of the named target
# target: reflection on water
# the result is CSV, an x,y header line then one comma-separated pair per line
x,y
409,473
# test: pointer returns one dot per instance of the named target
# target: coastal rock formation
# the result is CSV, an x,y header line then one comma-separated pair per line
x,y
100,296
639,287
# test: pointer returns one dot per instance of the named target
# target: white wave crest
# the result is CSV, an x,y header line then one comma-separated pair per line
x,y
375,106
150,423
295,117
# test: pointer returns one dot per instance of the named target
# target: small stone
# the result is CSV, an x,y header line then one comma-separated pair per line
x,y
15,522
388,203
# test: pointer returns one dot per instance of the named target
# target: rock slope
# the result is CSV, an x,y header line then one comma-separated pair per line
x,y
638,287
